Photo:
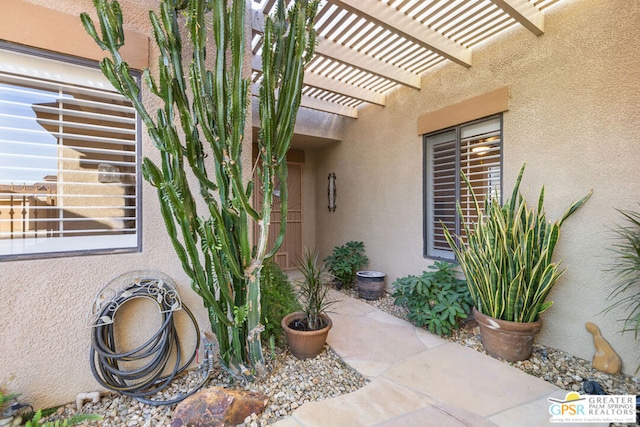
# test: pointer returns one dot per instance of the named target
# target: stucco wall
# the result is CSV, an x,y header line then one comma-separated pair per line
x,y
45,334
573,118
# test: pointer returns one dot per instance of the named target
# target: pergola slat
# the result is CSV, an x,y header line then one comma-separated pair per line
x,y
354,58
523,12
367,47
314,103
332,85
398,22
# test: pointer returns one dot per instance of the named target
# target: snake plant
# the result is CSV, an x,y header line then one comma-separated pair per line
x,y
199,132
506,255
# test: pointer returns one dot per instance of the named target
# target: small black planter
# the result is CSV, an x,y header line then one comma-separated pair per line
x,y
370,284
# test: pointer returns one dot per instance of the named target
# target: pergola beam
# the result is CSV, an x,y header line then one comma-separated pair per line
x,y
318,104
345,55
332,85
523,12
328,107
405,26
370,64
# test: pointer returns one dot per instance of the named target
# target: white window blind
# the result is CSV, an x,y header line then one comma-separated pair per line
x,y
68,159
474,149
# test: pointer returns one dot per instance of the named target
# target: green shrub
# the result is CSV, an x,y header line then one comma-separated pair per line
x,y
626,271
625,293
345,261
436,300
76,419
277,299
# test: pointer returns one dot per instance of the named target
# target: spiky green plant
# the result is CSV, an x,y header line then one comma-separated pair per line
x,y
506,256
625,295
313,289
200,135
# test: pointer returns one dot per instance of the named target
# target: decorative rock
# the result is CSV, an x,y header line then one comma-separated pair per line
x,y
605,359
219,407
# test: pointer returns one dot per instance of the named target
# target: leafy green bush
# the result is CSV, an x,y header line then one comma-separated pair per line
x,y
277,299
345,261
437,299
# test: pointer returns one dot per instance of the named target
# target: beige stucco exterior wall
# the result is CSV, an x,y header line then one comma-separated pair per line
x,y
574,119
45,315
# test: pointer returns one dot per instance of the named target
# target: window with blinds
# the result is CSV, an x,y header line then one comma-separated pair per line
x,y
69,146
475,149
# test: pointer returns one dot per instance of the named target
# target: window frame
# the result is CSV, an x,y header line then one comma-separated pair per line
x,y
427,197
113,249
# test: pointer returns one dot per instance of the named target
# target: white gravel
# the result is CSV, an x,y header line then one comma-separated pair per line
x,y
293,382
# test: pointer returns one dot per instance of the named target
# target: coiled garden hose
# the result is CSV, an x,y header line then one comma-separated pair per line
x,y
151,358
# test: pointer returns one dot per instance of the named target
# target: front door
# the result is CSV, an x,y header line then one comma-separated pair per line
x,y
291,248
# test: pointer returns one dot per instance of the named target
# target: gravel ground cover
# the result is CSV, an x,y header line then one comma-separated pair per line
x,y
294,382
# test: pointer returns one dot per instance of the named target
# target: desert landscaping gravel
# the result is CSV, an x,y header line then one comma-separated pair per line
x,y
293,382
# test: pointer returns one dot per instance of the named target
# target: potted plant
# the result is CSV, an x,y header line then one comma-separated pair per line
x,y
345,261
307,330
506,257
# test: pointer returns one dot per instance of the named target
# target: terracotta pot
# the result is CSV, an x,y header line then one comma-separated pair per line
x,y
511,341
305,344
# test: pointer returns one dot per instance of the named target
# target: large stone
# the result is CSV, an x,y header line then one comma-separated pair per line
x,y
605,359
218,407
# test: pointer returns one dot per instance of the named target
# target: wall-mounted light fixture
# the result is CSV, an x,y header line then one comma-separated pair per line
x,y
481,149
484,145
331,191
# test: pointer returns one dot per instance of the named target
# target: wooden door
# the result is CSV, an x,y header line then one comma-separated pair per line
x,y
292,246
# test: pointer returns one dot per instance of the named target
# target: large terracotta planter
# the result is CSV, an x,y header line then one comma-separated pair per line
x,y
305,344
511,341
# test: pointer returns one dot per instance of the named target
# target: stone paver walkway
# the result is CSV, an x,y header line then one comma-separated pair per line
x,y
420,379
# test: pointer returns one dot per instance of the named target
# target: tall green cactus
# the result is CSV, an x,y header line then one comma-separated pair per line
x,y
200,135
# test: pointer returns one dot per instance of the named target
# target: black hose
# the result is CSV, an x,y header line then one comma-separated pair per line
x,y
147,379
